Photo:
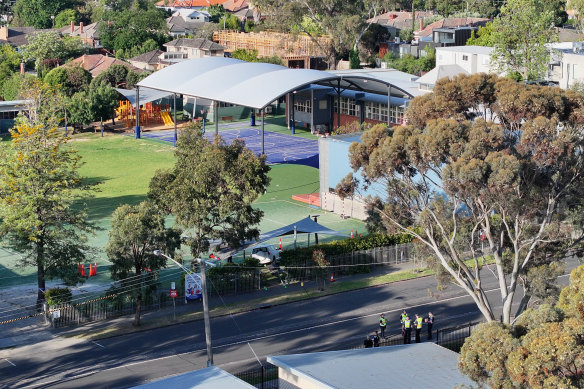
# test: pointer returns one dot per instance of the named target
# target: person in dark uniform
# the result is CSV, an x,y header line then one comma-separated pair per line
x,y
418,324
368,342
382,325
430,323
375,339
407,330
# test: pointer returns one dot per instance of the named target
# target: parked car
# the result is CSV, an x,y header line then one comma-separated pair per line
x,y
265,254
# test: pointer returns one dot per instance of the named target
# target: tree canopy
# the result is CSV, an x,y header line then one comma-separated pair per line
x,y
37,13
519,36
138,230
39,186
543,349
211,188
480,156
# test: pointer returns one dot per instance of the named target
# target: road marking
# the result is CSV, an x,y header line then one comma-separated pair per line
x,y
94,342
9,362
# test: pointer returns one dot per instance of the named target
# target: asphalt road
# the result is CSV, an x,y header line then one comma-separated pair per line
x,y
330,322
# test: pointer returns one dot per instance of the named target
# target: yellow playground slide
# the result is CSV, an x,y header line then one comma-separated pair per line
x,y
166,118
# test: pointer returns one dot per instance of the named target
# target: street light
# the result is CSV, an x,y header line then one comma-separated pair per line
x,y
53,20
205,300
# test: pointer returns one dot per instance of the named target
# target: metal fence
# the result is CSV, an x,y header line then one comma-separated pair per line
x,y
265,377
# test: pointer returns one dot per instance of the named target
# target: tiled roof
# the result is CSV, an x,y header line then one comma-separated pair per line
x,y
151,57
235,5
451,22
394,15
98,63
197,43
89,31
18,36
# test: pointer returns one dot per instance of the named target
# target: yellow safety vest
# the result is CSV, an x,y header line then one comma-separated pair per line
x,y
419,322
382,322
407,323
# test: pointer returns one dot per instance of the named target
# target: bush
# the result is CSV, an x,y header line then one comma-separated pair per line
x,y
58,296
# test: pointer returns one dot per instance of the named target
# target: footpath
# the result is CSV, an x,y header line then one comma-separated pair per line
x,y
35,330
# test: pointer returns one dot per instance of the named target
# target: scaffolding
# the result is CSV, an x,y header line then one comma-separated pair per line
x,y
268,44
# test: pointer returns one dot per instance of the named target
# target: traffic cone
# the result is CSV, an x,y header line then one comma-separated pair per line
x,y
332,278
280,244
83,270
351,233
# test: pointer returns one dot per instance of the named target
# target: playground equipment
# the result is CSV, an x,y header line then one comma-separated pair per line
x,y
149,114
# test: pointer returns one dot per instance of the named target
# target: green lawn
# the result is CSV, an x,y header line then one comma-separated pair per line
x,y
124,166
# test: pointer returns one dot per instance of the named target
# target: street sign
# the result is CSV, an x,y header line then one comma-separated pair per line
x,y
173,293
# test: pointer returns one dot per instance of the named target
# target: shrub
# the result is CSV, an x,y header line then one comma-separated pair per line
x,y
58,296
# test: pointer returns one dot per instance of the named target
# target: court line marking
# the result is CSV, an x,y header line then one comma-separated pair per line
x,y
94,342
9,362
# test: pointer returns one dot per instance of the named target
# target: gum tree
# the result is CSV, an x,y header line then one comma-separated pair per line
x,y
486,157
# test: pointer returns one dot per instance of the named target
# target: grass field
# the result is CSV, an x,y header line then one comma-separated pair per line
x,y
124,166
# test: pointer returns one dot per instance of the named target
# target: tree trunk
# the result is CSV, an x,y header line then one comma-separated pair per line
x,y
40,285
136,322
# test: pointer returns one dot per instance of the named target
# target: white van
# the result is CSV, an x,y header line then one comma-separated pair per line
x,y
265,254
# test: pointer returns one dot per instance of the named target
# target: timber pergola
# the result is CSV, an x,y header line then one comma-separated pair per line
x,y
253,84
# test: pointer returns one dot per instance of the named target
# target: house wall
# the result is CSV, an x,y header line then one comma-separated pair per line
x,y
572,70
472,63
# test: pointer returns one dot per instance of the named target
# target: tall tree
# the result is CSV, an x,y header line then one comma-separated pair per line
x,y
211,189
70,79
344,21
543,349
520,34
39,183
37,13
510,176
49,45
136,231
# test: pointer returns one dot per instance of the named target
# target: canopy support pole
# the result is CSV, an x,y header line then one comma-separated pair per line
x,y
216,115
312,110
174,117
388,105
338,104
137,112
263,123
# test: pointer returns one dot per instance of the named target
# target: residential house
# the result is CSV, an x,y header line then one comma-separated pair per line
x,y
18,36
239,8
173,5
473,59
178,26
394,21
191,15
150,61
98,63
428,80
185,48
449,23
88,34
568,68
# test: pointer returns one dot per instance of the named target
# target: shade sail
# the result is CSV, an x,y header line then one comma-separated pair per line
x,y
146,95
304,226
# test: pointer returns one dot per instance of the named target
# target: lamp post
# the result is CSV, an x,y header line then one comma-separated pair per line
x,y
205,300
53,20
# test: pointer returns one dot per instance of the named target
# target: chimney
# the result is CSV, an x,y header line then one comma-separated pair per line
x,y
421,24
81,28
392,16
22,68
72,26
4,33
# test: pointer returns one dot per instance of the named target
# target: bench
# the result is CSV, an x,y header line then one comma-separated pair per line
x,y
227,118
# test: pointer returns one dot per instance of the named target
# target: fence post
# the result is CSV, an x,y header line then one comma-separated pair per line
x,y
263,379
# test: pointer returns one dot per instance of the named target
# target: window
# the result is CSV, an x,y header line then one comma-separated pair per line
x,y
465,57
8,115
322,104
348,107
303,105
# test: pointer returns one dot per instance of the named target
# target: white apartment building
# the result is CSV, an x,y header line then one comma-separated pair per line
x,y
473,59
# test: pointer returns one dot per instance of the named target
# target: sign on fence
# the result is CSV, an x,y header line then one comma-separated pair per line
x,y
193,287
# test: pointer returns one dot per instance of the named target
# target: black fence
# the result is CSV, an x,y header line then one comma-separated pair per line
x,y
361,261
265,377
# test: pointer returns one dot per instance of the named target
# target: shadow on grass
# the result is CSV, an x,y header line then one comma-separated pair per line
x,y
103,207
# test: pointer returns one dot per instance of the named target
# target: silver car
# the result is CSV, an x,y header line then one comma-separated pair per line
x,y
265,254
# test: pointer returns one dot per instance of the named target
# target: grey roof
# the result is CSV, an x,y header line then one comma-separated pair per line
x,y
196,43
178,24
439,72
207,378
151,57
18,36
304,226
256,85
413,365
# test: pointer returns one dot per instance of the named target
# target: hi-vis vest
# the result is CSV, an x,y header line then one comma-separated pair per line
x,y
403,317
419,322
407,323
382,322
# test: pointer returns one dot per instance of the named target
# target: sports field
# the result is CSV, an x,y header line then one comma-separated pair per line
x,y
124,166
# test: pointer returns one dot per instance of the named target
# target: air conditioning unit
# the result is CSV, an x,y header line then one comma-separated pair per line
x,y
384,65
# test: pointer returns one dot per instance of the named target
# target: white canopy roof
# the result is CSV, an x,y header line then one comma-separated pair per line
x,y
146,95
251,84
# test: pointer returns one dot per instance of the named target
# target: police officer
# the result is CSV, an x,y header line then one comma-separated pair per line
x,y
418,324
382,325
407,323
375,339
368,343
430,323
401,320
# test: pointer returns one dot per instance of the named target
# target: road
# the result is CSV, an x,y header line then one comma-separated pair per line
x,y
330,322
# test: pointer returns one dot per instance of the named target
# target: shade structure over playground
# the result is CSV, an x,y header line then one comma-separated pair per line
x,y
255,84
304,226
146,95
